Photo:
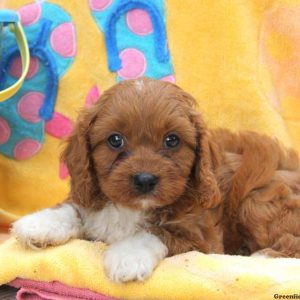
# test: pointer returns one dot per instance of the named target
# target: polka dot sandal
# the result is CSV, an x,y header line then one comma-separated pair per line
x,y
135,37
52,44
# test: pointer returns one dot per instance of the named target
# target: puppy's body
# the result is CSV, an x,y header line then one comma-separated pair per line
x,y
149,179
261,195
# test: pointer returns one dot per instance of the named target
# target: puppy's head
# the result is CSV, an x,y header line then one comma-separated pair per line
x,y
142,145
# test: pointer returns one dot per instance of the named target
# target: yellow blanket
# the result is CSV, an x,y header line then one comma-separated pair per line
x,y
241,60
188,276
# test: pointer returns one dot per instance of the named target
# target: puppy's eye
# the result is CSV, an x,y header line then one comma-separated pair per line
x,y
172,141
116,141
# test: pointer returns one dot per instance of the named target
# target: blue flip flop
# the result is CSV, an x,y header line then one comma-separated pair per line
x,y
52,44
135,37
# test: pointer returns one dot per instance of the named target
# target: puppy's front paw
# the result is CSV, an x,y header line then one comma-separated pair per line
x,y
133,258
47,227
124,266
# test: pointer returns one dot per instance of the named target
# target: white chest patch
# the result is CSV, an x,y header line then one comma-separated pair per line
x,y
111,224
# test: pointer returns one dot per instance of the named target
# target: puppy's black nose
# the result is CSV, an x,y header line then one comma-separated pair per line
x,y
145,182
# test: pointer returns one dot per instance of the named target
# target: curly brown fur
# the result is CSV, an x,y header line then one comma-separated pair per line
x,y
216,192
219,188
262,197
184,210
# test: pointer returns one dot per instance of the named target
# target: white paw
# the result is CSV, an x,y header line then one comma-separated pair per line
x,y
260,254
134,258
128,266
47,227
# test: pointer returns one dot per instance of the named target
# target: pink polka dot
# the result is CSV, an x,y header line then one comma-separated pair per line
x,y
59,126
63,171
169,78
133,63
26,148
30,14
92,97
139,22
63,40
5,131
99,5
16,67
29,105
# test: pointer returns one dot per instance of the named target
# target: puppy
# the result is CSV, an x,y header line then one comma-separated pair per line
x,y
149,179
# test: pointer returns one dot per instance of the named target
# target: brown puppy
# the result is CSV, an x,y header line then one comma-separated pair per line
x,y
149,179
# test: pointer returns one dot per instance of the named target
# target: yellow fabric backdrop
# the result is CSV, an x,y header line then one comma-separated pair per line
x,y
233,56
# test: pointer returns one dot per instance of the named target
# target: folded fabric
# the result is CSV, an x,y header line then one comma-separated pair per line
x,y
187,276
38,290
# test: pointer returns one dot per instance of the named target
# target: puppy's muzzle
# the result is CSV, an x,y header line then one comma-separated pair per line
x,y
145,182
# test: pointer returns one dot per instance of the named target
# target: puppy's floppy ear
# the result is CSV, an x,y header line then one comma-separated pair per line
x,y
77,156
206,160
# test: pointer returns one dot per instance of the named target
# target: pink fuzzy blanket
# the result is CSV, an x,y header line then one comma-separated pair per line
x,y
38,290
